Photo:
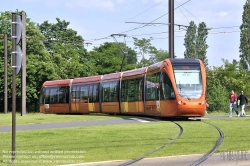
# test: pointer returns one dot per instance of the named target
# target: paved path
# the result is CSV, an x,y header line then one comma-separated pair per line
x,y
96,122
183,160
76,124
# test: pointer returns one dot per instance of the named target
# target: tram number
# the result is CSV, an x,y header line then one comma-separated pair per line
x,y
185,74
185,67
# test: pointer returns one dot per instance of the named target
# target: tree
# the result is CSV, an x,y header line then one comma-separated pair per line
x,y
67,50
39,65
195,42
5,26
190,41
245,36
201,44
146,49
158,55
221,80
108,58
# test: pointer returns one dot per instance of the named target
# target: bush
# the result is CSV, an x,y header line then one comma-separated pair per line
x,y
217,98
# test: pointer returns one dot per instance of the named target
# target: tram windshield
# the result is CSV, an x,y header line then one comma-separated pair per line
x,y
188,81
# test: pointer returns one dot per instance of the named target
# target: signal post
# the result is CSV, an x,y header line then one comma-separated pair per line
x,y
16,60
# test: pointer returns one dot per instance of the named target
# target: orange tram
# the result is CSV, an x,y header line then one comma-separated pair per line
x,y
170,88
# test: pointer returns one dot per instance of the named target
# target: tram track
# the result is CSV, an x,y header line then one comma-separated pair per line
x,y
210,153
158,149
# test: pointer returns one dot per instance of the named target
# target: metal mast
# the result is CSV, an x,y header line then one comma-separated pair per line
x,y
171,28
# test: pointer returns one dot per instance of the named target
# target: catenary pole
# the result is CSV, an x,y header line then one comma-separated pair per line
x,y
13,87
5,74
171,28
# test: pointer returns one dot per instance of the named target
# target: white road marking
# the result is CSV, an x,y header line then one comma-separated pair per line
x,y
198,118
139,120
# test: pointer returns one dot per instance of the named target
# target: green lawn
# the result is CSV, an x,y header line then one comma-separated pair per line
x,y
236,133
125,141
94,143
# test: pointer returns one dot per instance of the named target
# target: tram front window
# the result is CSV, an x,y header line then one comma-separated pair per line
x,y
188,81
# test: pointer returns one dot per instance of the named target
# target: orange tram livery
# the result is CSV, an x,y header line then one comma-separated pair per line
x,y
170,88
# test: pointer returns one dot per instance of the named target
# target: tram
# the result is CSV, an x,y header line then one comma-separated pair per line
x,y
174,87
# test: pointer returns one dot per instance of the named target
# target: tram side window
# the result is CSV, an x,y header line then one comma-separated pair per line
x,y
95,93
45,96
76,93
105,92
152,85
124,90
113,91
167,88
73,93
91,93
131,90
84,93
54,95
138,89
62,93
109,92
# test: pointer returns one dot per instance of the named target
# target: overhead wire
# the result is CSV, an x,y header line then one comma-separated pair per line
x,y
187,11
143,25
182,12
152,38
146,10
34,17
177,25
154,19
179,5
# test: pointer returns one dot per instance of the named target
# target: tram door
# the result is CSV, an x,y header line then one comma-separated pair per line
x,y
132,96
153,94
138,95
75,99
84,99
91,104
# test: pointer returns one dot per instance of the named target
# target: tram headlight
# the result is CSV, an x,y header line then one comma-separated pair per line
x,y
202,102
179,102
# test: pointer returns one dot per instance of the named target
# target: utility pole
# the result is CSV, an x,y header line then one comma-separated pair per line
x,y
23,73
16,58
5,74
171,28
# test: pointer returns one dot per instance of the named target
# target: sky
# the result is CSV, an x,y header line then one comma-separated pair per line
x,y
96,20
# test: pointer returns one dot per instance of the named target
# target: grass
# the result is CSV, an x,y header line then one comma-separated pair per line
x,y
236,133
98,143
36,118
197,138
118,142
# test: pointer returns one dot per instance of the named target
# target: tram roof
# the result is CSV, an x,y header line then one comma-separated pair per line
x,y
135,72
91,79
112,76
65,82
